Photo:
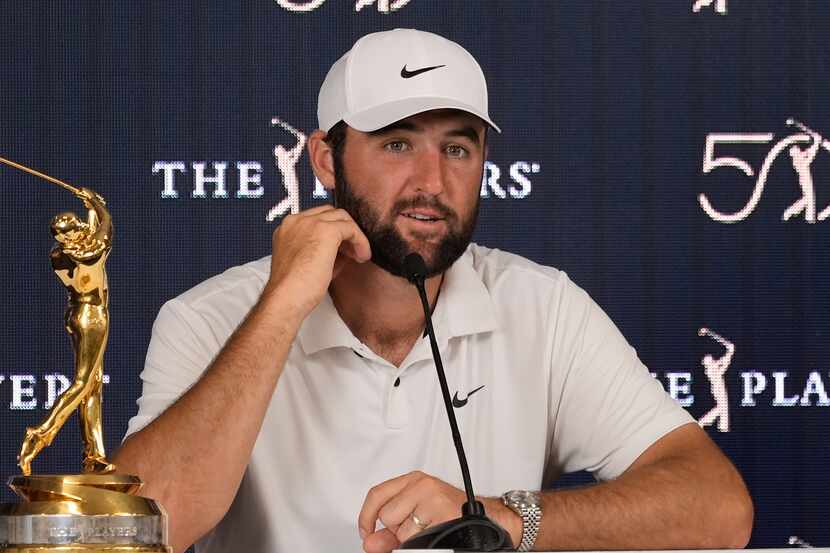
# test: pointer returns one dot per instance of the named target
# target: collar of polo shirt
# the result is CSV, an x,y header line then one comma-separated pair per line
x,y
464,307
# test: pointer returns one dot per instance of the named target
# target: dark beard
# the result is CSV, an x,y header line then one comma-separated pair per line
x,y
388,246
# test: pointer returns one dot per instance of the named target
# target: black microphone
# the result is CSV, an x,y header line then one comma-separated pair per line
x,y
473,531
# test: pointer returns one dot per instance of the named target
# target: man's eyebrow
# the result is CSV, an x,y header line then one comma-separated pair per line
x,y
397,126
467,132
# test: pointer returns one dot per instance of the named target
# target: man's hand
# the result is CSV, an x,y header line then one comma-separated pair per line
x,y
432,500
309,249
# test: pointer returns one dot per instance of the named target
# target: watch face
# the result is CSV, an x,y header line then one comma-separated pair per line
x,y
516,496
522,498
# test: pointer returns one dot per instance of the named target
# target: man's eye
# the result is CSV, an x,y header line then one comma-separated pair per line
x,y
396,146
455,150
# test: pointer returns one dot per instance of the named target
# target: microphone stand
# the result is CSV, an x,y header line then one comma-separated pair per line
x,y
473,531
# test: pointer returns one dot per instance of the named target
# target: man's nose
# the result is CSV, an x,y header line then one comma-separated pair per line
x,y
429,172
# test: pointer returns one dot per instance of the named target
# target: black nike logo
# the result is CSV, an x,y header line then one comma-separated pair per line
x,y
406,74
458,403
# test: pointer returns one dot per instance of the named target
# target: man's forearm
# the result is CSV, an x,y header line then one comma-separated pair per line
x,y
193,456
674,503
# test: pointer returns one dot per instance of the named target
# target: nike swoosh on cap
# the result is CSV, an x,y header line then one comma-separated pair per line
x,y
406,74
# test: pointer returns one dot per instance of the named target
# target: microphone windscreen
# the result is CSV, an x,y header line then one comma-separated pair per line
x,y
414,268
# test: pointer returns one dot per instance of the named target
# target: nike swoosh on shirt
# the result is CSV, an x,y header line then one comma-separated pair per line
x,y
458,403
406,74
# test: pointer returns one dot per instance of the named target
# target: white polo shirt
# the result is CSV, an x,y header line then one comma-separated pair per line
x,y
557,389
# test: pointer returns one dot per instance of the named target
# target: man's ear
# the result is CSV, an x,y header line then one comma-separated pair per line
x,y
322,159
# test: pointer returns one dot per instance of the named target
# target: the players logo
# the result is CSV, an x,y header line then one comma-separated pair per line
x,y
299,6
802,149
718,5
246,180
715,370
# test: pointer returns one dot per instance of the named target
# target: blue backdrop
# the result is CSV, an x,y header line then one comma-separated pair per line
x,y
667,154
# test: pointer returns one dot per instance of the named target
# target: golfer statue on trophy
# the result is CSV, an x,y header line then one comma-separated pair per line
x,y
79,259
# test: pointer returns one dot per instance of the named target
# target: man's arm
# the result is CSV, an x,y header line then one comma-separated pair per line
x,y
193,456
681,493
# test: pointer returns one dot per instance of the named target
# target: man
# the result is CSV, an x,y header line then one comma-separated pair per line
x,y
294,402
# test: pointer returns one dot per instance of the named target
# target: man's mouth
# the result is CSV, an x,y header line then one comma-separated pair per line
x,y
419,215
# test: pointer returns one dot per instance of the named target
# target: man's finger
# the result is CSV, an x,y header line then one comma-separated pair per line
x,y
354,243
316,210
398,510
335,215
408,528
377,498
382,541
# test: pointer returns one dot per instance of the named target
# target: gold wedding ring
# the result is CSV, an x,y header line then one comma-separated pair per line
x,y
418,522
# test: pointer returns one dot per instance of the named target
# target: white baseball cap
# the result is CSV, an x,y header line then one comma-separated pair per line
x,y
392,75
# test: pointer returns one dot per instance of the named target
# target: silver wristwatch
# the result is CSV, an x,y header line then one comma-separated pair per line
x,y
527,505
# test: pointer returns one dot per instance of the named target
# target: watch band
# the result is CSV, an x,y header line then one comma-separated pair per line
x,y
531,519
528,505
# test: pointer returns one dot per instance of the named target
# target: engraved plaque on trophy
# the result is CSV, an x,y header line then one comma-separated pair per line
x,y
97,511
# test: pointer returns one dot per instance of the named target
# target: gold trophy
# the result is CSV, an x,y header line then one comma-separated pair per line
x,y
97,511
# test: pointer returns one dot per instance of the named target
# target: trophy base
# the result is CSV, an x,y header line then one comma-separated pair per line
x,y
81,513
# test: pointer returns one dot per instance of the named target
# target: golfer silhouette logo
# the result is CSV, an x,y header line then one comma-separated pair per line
x,y
802,158
286,160
715,370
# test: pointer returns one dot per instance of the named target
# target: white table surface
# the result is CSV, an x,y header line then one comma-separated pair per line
x,y
780,550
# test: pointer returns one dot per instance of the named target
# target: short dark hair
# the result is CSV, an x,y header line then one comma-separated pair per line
x,y
336,139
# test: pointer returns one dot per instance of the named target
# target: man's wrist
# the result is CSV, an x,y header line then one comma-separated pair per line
x,y
274,302
528,507
505,517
